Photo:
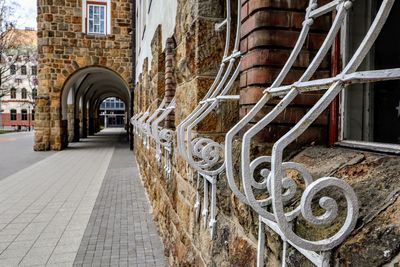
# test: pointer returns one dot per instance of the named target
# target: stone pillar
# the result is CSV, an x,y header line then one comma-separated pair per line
x,y
42,124
84,126
91,126
64,134
170,83
70,118
76,130
269,32
80,123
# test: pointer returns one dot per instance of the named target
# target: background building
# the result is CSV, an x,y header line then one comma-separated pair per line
x,y
112,113
19,82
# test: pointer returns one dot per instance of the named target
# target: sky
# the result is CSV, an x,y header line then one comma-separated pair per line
x,y
27,16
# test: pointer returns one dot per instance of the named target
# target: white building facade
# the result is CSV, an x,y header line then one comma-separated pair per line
x,y
18,90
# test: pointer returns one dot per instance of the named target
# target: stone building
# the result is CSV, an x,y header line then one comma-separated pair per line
x,y
85,56
181,66
19,81
230,158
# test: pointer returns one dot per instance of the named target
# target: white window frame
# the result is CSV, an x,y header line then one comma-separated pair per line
x,y
350,143
85,14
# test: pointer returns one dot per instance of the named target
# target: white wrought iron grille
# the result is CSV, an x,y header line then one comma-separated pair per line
x,y
164,138
147,126
280,190
202,154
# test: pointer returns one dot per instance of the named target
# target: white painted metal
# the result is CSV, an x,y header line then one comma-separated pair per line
x,y
281,189
205,155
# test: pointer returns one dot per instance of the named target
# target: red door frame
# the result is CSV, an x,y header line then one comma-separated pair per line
x,y
334,107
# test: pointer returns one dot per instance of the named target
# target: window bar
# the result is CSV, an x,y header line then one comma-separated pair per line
x,y
280,189
163,137
205,155
205,202
197,204
133,121
140,122
147,124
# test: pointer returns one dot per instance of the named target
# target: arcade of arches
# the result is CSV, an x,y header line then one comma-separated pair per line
x,y
81,98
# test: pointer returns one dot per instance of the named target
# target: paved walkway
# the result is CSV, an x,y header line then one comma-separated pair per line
x,y
84,206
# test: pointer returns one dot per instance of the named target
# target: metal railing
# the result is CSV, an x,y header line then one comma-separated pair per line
x,y
272,209
209,159
202,154
164,138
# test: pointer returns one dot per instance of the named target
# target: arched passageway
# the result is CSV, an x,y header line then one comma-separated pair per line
x,y
82,96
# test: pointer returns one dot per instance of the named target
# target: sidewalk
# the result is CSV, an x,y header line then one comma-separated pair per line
x,y
84,206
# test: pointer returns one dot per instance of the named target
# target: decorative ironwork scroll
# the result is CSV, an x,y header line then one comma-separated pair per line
x,y
147,126
203,154
164,138
279,189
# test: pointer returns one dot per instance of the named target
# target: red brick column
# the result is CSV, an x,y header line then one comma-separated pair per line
x,y
170,83
269,32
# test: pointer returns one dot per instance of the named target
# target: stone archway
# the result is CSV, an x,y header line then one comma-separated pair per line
x,y
81,97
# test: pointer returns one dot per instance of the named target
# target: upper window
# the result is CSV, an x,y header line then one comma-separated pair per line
x,y
24,93
13,93
23,70
97,17
13,70
34,70
34,93
372,111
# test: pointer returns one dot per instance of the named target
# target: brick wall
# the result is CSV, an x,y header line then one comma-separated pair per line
x,y
269,32
170,82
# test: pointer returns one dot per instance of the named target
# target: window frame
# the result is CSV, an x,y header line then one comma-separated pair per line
x,y
13,115
24,70
94,5
107,17
24,114
34,93
13,93
13,69
24,93
34,70
391,148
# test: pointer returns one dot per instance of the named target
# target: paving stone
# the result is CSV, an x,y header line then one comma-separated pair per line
x,y
84,206
122,199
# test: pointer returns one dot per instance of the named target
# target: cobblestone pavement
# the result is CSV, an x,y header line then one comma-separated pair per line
x,y
120,230
45,209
